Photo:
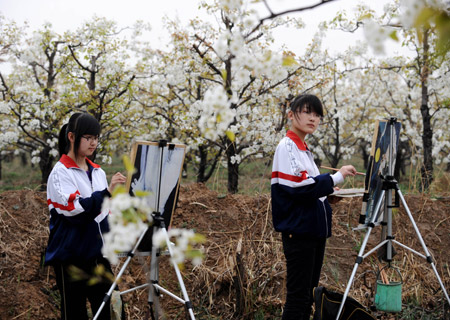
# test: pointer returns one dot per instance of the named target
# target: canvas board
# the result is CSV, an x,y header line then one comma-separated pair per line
x,y
379,164
157,172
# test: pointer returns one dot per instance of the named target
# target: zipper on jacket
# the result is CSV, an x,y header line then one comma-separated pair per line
x,y
89,174
326,220
101,234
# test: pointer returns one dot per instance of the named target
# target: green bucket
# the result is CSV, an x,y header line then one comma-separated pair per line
x,y
388,297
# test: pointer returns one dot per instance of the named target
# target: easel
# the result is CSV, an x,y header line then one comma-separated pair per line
x,y
389,184
154,288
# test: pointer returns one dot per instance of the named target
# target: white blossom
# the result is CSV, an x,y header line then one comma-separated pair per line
x,y
376,36
129,217
235,159
35,160
54,153
106,159
184,239
216,114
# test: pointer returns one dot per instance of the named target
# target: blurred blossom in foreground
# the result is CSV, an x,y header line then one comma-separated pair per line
x,y
130,216
411,9
182,248
376,36
411,14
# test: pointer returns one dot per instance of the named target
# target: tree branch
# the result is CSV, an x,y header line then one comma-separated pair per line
x,y
273,15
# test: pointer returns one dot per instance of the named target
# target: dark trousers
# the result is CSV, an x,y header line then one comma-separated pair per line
x,y
304,259
75,289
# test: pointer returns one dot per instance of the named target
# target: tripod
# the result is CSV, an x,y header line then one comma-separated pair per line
x,y
153,285
389,184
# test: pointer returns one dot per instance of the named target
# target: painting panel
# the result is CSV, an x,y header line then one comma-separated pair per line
x,y
158,172
381,164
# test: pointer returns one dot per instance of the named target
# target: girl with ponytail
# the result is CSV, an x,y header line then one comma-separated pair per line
x,y
76,188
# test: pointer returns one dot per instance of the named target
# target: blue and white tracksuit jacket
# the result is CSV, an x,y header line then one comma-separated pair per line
x,y
299,191
76,221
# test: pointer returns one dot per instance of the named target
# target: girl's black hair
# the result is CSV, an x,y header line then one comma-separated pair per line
x,y
80,124
309,101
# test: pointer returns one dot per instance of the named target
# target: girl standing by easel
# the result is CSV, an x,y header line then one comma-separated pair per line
x,y
76,188
300,208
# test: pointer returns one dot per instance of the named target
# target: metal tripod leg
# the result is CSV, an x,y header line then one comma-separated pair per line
x,y
425,249
359,258
119,275
186,300
155,288
389,244
154,293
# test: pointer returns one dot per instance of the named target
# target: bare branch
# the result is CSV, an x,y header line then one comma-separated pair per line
x,y
273,15
76,59
202,55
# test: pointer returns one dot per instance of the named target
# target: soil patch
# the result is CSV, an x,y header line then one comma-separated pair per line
x,y
243,273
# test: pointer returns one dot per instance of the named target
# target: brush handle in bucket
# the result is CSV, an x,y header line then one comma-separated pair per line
x,y
388,296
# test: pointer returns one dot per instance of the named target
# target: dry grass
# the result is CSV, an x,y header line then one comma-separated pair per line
x,y
243,274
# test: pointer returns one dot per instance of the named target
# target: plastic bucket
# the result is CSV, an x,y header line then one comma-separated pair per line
x,y
388,297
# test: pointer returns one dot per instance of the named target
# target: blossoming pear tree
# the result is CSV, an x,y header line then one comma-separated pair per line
x,y
55,75
423,73
33,98
10,35
101,76
226,87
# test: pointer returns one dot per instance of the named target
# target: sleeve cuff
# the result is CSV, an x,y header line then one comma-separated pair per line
x,y
337,178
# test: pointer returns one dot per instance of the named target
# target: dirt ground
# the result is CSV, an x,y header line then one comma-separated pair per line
x,y
242,276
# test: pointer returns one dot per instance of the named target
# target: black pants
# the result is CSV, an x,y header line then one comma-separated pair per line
x,y
75,289
304,259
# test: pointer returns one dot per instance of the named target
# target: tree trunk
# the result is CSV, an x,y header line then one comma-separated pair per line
x,y
427,134
233,168
45,164
334,161
23,159
403,155
398,163
203,173
427,139
364,154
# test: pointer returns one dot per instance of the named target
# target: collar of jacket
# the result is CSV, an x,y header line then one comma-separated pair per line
x,y
301,145
69,163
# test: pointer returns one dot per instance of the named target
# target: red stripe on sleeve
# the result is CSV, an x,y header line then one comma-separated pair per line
x,y
281,175
70,205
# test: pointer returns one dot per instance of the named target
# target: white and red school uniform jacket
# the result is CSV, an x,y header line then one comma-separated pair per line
x,y
299,192
75,198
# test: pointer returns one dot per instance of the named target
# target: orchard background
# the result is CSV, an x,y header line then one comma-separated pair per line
x,y
223,90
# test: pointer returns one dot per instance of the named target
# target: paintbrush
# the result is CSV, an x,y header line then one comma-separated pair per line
x,y
334,169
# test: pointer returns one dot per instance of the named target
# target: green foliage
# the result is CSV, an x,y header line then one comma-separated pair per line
x,y
289,60
440,20
17,175
255,177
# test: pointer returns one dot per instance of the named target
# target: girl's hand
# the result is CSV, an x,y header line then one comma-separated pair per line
x,y
116,179
348,170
